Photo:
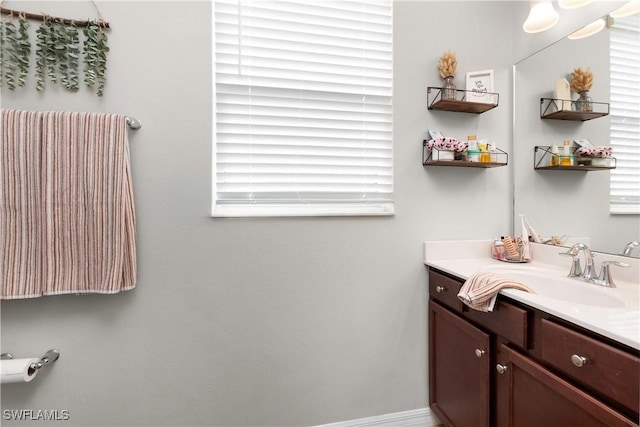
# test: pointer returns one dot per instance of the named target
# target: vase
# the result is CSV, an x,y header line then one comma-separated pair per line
x,y
584,103
449,89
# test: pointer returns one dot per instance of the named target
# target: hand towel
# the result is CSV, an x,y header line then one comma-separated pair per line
x,y
67,221
481,290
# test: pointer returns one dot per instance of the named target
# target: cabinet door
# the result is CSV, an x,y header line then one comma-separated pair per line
x,y
459,369
535,397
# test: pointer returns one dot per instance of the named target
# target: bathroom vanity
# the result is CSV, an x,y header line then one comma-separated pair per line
x,y
525,364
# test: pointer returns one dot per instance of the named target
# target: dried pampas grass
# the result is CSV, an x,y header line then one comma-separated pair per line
x,y
581,80
447,64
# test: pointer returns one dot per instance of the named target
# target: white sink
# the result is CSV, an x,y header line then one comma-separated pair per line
x,y
552,284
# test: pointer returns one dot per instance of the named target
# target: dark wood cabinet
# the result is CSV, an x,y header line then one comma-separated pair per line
x,y
459,373
533,396
515,366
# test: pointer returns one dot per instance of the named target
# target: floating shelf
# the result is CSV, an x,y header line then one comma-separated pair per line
x,y
543,156
437,157
564,109
461,103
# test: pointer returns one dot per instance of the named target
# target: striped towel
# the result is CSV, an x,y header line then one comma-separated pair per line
x,y
67,221
480,291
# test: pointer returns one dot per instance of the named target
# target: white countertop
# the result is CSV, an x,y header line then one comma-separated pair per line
x,y
620,323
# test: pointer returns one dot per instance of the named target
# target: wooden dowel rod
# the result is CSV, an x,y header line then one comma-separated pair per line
x,y
40,17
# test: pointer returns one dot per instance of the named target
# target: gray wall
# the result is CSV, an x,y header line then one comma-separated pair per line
x,y
292,321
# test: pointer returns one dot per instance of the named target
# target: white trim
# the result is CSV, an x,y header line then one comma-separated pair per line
x,y
311,209
422,417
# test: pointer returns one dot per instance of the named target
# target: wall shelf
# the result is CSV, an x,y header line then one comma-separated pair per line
x,y
437,157
542,159
564,109
461,103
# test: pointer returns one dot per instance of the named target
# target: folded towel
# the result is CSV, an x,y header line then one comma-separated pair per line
x,y
481,290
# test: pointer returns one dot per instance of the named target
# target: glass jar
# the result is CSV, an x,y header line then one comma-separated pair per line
x,y
449,89
584,102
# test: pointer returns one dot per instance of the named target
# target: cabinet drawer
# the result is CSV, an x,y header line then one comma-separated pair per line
x,y
506,320
445,290
606,369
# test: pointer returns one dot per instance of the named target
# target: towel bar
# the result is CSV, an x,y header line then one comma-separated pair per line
x,y
134,123
48,358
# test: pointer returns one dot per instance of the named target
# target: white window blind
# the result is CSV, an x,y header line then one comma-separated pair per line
x,y
625,115
303,113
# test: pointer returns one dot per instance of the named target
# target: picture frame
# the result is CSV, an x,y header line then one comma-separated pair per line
x,y
480,86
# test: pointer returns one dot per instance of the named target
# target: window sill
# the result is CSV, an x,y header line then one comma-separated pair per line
x,y
281,210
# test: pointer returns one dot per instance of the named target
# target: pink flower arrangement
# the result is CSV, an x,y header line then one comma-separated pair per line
x,y
599,152
447,144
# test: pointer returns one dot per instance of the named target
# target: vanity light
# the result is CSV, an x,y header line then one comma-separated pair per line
x,y
573,4
626,10
542,16
588,30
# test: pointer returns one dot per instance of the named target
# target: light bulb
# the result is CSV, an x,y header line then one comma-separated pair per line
x,y
588,30
626,10
542,16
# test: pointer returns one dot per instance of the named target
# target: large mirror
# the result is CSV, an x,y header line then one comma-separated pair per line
x,y
566,202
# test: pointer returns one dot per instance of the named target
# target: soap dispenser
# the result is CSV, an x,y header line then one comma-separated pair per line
x,y
566,159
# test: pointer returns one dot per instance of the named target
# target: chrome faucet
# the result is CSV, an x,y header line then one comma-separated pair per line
x,y
576,270
630,247
603,279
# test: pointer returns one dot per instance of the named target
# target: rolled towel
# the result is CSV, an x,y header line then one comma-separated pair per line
x,y
480,291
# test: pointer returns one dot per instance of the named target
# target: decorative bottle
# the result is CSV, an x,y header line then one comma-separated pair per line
x,y
553,160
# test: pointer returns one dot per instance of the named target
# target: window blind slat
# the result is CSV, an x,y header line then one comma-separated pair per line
x,y
303,109
625,115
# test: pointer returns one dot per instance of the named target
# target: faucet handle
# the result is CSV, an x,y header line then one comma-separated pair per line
x,y
576,268
605,272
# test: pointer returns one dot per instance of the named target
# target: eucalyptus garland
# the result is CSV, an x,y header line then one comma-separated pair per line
x,y
14,53
23,51
43,54
95,56
67,50
9,55
57,54
3,53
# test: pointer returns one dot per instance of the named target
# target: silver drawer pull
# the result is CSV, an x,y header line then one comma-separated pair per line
x,y
479,353
501,368
578,360
440,288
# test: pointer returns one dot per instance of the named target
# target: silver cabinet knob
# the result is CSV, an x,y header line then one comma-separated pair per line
x,y
578,360
440,288
479,353
501,368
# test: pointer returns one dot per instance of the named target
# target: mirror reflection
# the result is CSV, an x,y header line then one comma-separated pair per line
x,y
575,204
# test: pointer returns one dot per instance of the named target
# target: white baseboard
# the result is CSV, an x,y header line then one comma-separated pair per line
x,y
422,417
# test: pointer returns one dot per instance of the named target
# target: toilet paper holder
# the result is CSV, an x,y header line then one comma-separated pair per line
x,y
48,358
